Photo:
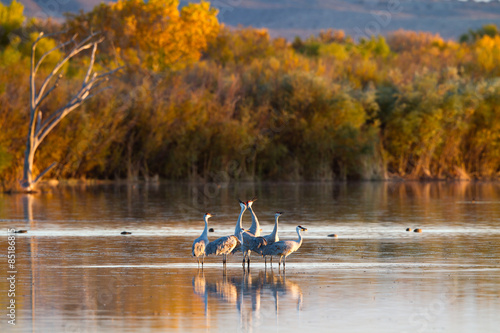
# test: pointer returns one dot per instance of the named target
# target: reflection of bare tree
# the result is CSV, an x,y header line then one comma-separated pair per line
x,y
250,294
30,222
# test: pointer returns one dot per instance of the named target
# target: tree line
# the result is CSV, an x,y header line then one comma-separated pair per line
x,y
197,100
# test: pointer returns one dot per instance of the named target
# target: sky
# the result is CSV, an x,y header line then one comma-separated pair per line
x,y
358,18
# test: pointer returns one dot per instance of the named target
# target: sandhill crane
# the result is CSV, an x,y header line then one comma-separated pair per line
x,y
252,239
272,237
200,243
284,248
239,227
251,243
223,246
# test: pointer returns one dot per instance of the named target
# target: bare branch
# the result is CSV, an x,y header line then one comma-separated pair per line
x,y
99,91
56,84
60,46
56,119
91,65
109,73
43,35
39,177
83,45
80,97
59,115
32,77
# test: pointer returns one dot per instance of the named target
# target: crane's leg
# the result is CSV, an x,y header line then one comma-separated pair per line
x,y
271,260
265,261
284,262
279,265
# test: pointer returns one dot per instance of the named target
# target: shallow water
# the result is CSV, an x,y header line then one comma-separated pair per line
x,y
76,273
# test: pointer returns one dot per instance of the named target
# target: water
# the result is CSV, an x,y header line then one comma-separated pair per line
x,y
75,272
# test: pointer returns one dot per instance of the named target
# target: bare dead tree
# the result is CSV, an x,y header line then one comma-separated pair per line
x,y
39,128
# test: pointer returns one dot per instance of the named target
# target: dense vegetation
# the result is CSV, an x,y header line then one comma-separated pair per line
x,y
198,100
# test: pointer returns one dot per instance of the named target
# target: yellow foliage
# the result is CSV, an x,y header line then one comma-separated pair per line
x,y
11,18
487,51
334,49
154,34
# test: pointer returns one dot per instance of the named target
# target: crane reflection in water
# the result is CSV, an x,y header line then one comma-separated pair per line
x,y
257,297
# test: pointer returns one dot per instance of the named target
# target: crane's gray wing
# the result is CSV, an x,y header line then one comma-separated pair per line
x,y
198,247
223,245
277,248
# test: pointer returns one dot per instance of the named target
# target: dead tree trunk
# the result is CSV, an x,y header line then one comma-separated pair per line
x,y
38,128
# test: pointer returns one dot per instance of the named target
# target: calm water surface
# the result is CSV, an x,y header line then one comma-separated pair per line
x,y
77,273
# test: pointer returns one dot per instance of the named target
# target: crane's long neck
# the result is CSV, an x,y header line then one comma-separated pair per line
x,y
255,227
240,237
300,237
239,226
274,234
204,234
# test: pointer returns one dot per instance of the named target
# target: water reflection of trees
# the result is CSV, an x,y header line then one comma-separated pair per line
x,y
257,297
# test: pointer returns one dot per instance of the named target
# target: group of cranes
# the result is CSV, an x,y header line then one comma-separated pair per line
x,y
246,241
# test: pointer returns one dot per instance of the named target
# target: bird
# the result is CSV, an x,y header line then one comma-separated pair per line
x,y
284,248
223,246
272,237
200,243
252,243
255,227
239,226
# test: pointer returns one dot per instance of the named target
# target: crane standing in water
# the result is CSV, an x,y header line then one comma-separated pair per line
x,y
253,241
272,237
224,246
238,229
284,248
200,243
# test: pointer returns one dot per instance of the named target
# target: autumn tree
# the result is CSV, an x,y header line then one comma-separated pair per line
x,y
152,34
471,36
11,19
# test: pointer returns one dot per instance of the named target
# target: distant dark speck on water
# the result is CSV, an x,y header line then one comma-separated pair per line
x,y
408,229
333,235
20,231
417,230
126,233
211,230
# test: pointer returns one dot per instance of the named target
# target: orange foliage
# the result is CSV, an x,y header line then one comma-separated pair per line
x,y
153,34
